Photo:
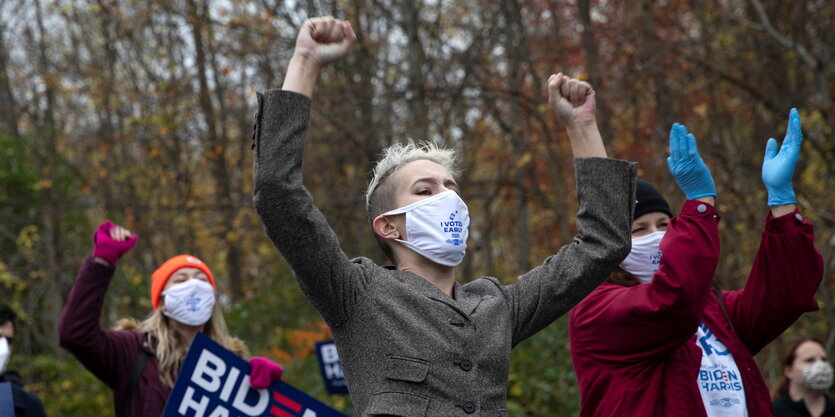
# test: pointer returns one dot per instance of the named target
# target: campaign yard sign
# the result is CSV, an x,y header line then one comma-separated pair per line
x,y
214,382
331,367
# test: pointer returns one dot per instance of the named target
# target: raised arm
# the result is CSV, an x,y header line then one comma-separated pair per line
x,y
650,319
294,224
787,269
79,330
606,193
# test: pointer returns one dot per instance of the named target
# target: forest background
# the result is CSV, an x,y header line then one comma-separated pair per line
x,y
142,112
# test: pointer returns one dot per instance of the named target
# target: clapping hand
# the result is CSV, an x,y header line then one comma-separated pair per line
x,y
778,167
686,165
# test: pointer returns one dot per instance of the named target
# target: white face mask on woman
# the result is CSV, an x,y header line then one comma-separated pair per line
x,y
817,376
645,257
5,354
190,302
437,227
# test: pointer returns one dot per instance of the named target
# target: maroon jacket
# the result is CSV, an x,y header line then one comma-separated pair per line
x,y
110,355
634,348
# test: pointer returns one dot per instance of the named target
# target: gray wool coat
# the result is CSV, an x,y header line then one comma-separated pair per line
x,y
407,349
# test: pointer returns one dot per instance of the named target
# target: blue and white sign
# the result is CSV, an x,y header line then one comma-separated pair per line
x,y
6,399
720,382
331,367
214,382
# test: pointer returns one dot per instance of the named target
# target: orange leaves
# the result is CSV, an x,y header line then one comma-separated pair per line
x,y
303,341
298,344
280,355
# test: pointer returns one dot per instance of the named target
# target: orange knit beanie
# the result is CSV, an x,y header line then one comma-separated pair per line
x,y
161,275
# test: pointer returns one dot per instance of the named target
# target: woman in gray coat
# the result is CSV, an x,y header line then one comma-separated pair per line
x,y
412,340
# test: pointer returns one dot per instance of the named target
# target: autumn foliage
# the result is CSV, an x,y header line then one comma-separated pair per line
x,y
142,112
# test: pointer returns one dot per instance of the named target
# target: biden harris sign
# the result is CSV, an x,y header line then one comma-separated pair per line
x,y
214,382
331,367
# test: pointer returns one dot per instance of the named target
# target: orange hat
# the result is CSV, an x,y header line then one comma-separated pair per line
x,y
161,275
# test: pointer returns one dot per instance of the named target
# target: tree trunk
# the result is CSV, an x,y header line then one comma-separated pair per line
x,y
218,144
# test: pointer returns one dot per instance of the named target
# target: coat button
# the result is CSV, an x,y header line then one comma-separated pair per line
x,y
798,217
466,365
469,407
701,208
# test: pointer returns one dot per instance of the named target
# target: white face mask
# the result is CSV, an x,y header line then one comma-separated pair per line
x,y
5,354
818,376
190,302
645,257
437,227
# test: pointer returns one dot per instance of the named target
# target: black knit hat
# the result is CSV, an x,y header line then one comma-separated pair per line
x,y
649,199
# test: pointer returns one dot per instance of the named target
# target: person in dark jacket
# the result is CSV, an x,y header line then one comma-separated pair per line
x,y
807,375
183,297
658,338
26,404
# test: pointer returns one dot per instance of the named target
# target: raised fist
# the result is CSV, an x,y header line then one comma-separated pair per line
x,y
112,241
325,39
571,99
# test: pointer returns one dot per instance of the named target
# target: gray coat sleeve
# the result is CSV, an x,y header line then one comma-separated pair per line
x,y
606,193
329,280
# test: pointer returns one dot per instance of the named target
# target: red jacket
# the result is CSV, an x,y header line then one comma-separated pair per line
x,y
634,348
110,355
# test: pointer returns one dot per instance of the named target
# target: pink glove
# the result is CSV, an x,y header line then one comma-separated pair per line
x,y
263,372
106,247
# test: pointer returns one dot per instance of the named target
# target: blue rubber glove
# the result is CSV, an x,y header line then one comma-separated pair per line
x,y
688,168
778,168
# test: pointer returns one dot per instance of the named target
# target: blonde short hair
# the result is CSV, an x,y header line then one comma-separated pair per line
x,y
397,155
379,197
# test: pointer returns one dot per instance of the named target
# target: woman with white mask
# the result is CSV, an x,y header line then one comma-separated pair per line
x,y
807,377
658,338
412,340
140,361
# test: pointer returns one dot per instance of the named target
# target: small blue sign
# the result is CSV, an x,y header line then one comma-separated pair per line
x,y
331,367
214,382
6,399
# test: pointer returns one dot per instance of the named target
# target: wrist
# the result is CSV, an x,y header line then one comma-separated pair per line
x,y
304,60
585,140
302,73
581,127
708,199
102,261
783,209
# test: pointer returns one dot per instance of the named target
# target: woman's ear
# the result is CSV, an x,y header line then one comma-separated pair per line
x,y
385,228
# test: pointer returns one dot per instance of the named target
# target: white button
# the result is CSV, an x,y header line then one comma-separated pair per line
x,y
798,217
702,208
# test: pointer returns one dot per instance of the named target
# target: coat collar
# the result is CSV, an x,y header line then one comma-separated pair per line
x,y
465,302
